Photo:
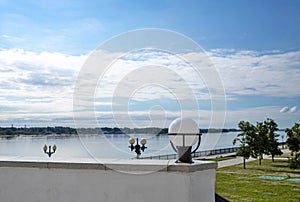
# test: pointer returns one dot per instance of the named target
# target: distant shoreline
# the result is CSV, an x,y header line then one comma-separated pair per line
x,y
59,131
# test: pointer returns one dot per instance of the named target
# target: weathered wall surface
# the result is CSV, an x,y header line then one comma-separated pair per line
x,y
62,185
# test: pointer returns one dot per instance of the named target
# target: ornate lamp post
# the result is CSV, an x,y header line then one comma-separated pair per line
x,y
184,133
137,147
49,152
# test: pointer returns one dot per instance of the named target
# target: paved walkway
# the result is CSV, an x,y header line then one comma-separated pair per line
x,y
238,160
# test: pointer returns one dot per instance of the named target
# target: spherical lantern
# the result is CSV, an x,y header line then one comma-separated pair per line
x,y
131,141
184,133
143,141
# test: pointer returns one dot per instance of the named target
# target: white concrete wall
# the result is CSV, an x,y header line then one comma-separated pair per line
x,y
83,185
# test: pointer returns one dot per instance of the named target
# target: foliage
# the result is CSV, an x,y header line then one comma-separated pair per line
x,y
273,144
244,149
294,163
255,141
293,142
10,131
259,144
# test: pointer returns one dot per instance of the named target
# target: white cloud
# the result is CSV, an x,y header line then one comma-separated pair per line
x,y
12,39
242,72
259,114
290,110
284,109
293,109
164,75
40,85
36,85
258,73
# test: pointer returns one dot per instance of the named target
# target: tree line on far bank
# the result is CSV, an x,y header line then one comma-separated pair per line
x,y
59,130
257,140
14,131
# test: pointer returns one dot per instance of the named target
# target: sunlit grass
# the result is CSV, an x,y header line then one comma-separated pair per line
x,y
238,184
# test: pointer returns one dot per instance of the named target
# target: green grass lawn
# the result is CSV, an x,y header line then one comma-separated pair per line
x,y
238,184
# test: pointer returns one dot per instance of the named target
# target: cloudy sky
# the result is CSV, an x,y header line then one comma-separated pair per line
x,y
254,47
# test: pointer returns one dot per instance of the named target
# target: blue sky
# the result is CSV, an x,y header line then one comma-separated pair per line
x,y
254,45
254,25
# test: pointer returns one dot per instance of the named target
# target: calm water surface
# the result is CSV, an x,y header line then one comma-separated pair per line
x,y
99,146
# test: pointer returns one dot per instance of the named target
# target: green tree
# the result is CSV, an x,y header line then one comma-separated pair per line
x,y
243,138
259,141
293,140
272,136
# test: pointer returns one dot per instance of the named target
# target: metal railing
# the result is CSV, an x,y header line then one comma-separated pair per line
x,y
195,154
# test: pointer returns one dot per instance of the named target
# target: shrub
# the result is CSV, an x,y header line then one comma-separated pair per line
x,y
294,162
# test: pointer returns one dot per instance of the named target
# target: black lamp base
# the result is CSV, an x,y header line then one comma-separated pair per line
x,y
184,154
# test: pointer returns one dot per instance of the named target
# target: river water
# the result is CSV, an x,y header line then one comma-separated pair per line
x,y
100,146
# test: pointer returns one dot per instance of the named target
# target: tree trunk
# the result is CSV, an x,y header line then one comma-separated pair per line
x,y
244,159
259,160
273,158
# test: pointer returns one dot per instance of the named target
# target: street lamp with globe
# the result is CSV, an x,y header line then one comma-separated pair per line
x,y
183,134
137,148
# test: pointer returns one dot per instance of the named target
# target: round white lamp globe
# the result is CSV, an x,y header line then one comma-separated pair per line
x,y
183,132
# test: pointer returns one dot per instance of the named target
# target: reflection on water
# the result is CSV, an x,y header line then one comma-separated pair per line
x,y
99,147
